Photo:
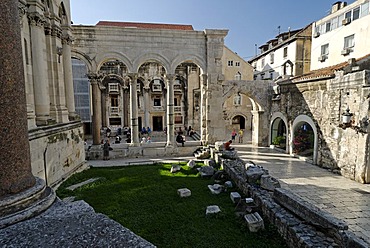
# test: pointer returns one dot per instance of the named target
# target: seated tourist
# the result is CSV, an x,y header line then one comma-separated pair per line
x,y
180,139
227,145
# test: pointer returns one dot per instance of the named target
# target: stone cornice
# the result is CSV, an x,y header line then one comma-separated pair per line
x,y
67,39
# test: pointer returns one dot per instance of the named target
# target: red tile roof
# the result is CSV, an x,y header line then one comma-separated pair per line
x,y
145,25
327,71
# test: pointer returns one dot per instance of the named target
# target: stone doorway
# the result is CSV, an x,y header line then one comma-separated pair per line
x,y
279,133
157,123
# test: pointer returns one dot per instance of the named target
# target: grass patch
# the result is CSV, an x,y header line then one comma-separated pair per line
x,y
144,199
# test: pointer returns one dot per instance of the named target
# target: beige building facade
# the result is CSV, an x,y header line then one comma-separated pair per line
x,y
55,132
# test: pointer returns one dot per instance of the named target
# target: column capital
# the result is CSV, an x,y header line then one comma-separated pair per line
x,y
67,39
170,77
36,19
94,77
133,77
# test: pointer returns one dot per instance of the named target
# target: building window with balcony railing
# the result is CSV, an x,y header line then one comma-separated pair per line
x,y
157,102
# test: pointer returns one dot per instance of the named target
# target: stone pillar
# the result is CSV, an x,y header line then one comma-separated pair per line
x,y
170,110
133,111
15,164
22,195
126,103
39,68
146,107
105,108
203,108
96,107
68,77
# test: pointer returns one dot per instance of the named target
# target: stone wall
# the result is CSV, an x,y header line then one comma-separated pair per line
x,y
324,101
57,151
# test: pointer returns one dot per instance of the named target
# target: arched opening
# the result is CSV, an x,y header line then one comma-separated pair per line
x,y
278,133
303,140
238,122
81,88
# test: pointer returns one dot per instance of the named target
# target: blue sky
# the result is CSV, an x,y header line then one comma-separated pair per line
x,y
249,22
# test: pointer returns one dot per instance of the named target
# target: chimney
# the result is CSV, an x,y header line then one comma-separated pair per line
x,y
337,6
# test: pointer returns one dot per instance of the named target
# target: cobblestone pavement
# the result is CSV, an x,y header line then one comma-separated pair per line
x,y
343,198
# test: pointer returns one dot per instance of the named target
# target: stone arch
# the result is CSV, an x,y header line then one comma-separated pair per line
x,y
299,120
193,58
115,56
91,67
236,114
148,57
274,117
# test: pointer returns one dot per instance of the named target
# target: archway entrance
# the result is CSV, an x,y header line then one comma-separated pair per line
x,y
303,140
239,122
278,133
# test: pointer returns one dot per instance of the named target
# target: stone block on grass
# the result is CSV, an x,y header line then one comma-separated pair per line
x,y
235,197
175,168
184,192
191,163
269,183
254,222
213,209
228,184
216,188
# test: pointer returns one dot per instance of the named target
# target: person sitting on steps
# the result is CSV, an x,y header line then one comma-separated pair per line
x,y
180,139
227,145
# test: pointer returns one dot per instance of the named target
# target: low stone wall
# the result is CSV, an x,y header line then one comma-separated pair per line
x,y
57,151
299,223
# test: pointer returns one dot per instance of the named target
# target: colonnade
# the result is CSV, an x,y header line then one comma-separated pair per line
x,y
96,84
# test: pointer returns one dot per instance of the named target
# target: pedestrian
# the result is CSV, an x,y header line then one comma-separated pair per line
x,y
241,134
106,148
149,130
233,135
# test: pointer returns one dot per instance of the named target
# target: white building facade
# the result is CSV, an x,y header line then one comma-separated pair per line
x,y
341,35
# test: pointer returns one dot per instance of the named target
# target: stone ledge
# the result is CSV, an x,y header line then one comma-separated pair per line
x,y
307,211
73,224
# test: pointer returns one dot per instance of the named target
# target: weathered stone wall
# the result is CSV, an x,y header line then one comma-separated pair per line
x,y
58,149
324,101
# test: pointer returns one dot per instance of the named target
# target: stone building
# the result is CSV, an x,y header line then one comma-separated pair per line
x,y
55,132
163,76
322,115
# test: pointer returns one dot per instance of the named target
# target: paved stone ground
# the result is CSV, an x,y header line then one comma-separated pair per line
x,y
343,198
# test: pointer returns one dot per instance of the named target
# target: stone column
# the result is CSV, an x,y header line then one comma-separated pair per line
x,y
22,195
170,78
133,111
96,105
203,108
105,108
39,68
15,163
126,103
68,77
146,107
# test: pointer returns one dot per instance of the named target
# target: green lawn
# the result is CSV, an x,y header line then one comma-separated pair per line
x,y
144,199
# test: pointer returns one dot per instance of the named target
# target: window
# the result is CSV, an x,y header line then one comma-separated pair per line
x,y
356,13
114,101
157,102
238,76
364,9
262,75
348,15
113,87
157,86
263,62
325,49
285,52
272,58
271,75
230,63
237,63
334,23
327,26
349,41
237,100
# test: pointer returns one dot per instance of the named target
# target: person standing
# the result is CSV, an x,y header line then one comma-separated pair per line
x,y
233,135
241,133
106,148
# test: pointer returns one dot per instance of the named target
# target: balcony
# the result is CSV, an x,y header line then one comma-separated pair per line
x,y
113,110
177,109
